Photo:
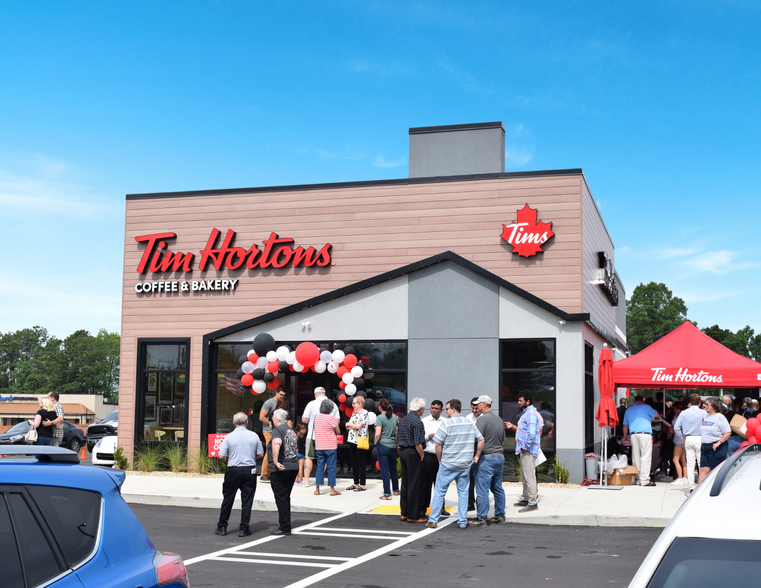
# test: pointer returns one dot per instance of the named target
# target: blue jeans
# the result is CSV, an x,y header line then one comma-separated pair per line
x,y
387,462
489,477
734,443
325,458
443,479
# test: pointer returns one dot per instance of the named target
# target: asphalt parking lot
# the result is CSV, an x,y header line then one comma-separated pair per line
x,y
378,551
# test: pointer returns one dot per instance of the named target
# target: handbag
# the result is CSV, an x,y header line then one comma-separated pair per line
x,y
31,435
363,442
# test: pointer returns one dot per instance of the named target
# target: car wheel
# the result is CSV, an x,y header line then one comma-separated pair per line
x,y
75,445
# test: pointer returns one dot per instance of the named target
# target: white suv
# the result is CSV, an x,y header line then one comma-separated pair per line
x,y
714,539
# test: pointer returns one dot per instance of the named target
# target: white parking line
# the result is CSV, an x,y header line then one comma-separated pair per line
x,y
350,530
278,563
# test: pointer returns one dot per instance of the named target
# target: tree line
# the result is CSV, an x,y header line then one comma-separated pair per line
x,y
653,312
32,362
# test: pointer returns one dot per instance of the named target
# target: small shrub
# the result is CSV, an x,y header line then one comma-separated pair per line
x,y
562,475
121,460
176,457
205,464
149,458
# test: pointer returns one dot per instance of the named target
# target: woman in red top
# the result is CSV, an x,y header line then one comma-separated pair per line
x,y
325,446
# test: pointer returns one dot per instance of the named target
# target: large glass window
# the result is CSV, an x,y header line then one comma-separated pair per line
x,y
589,397
529,365
161,410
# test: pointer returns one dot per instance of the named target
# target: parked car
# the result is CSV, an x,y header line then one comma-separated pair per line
x,y
73,437
66,525
701,546
103,452
108,426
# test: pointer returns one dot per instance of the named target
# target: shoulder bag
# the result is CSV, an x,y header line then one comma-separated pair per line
x,y
31,435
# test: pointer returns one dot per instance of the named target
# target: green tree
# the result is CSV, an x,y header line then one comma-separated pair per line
x,y
743,341
651,313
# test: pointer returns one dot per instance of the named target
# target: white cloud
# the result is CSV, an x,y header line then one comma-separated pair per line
x,y
671,252
718,262
381,161
520,144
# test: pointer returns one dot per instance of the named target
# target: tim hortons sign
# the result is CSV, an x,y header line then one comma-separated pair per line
x,y
526,235
276,252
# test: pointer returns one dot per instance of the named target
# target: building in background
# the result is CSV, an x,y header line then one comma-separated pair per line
x,y
457,281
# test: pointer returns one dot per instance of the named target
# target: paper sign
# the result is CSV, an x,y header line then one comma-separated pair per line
x,y
215,442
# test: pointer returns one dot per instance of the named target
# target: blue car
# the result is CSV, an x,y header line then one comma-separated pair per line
x,y
66,525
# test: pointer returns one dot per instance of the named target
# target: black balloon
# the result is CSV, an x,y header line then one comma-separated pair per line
x,y
360,393
284,366
375,452
369,405
242,359
359,383
258,374
239,374
365,366
269,376
263,343
349,350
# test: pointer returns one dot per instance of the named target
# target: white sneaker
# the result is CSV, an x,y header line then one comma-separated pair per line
x,y
679,482
305,484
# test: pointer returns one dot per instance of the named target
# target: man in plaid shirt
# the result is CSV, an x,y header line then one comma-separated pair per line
x,y
527,440
58,421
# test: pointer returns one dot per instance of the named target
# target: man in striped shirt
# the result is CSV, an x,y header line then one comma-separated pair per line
x,y
454,441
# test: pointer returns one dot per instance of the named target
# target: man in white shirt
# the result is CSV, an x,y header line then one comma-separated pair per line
x,y
474,414
312,410
432,422
688,425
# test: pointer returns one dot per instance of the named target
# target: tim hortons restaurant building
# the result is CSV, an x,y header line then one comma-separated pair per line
x,y
457,281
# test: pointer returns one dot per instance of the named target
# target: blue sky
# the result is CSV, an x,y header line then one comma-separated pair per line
x,y
658,103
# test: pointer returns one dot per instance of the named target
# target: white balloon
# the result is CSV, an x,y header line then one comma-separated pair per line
x,y
338,356
250,351
357,371
262,362
247,367
297,367
350,389
271,356
371,416
259,386
282,352
347,378
291,357
369,375
319,367
332,367
326,356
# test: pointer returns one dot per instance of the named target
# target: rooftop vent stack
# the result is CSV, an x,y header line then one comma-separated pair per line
x,y
457,150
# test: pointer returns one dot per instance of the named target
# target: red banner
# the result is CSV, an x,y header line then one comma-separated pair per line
x,y
215,442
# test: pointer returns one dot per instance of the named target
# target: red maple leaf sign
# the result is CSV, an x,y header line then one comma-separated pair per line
x,y
527,235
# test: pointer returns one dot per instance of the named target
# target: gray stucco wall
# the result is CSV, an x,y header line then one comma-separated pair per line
x,y
459,152
453,335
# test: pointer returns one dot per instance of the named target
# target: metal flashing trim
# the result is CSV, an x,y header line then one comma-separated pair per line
x,y
393,274
359,184
600,330
466,127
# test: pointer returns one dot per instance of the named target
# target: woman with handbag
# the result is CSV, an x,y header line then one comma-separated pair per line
x,y
46,413
385,445
359,443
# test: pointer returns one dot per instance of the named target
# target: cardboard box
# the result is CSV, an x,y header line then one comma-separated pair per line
x,y
623,477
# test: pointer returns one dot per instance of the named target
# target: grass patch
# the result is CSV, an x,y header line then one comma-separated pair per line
x,y
176,457
149,458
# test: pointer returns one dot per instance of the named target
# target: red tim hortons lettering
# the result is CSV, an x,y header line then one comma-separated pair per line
x,y
173,261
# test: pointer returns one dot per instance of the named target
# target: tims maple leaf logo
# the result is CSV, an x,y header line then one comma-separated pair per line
x,y
527,235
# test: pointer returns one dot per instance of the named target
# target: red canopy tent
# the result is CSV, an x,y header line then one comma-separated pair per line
x,y
687,358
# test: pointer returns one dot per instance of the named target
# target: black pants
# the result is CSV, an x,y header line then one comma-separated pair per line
x,y
238,478
412,483
430,469
358,464
282,484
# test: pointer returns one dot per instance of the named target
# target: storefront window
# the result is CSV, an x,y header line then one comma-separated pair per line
x,y
162,403
529,365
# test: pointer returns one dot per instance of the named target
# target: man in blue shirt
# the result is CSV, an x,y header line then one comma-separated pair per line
x,y
638,421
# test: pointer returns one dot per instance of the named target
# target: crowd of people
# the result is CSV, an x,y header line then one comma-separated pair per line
x,y
681,441
434,451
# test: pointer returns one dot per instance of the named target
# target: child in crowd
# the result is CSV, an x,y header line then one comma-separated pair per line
x,y
301,432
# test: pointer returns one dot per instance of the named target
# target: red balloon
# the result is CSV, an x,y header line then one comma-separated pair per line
x,y
342,408
364,360
744,444
253,357
307,354
752,440
273,367
349,411
750,426
247,379
377,465
350,360
341,371
273,384
342,398
342,385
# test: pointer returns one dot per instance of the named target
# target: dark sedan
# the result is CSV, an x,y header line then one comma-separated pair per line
x,y
73,437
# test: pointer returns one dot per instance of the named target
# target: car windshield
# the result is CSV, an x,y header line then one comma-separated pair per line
x,y
114,416
19,428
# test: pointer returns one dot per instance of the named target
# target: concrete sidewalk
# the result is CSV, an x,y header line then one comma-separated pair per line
x,y
631,506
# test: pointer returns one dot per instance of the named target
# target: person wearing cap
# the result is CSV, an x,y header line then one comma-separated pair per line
x,y
491,464
310,412
527,444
